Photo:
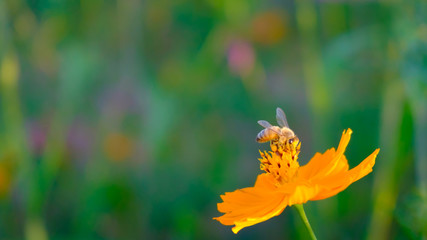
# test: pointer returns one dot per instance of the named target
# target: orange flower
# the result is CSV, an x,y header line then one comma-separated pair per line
x,y
285,183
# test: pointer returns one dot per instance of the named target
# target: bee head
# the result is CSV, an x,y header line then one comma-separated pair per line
x,y
294,141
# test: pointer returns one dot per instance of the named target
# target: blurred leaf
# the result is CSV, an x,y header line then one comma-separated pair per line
x,y
412,215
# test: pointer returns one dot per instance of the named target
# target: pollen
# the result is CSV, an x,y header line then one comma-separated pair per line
x,y
282,161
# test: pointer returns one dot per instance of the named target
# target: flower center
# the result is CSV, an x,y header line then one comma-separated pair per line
x,y
282,160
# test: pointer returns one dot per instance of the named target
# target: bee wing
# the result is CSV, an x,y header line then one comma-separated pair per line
x,y
281,118
264,123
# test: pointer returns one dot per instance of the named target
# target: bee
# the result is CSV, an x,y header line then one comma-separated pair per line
x,y
281,133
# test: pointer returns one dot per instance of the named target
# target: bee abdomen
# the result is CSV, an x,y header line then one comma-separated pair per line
x,y
261,137
266,135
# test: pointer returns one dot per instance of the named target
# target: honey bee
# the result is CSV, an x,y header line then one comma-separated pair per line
x,y
281,133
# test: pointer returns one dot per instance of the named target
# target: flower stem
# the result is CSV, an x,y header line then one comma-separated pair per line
x,y
301,212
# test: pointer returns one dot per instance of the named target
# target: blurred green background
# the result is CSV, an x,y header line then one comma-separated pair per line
x,y
127,119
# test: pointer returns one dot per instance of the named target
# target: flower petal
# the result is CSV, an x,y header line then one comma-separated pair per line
x,y
302,193
333,184
329,163
248,206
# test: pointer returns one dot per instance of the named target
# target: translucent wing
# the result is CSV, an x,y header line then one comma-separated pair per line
x,y
281,118
264,123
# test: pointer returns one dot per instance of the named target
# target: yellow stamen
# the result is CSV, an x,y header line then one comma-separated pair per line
x,y
282,161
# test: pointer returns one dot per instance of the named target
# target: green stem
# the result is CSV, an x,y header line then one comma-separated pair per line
x,y
301,212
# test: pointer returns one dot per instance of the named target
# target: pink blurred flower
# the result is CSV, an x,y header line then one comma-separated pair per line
x,y
37,136
80,138
241,58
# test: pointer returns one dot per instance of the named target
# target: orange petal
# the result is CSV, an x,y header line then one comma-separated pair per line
x,y
248,206
303,192
333,184
331,162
